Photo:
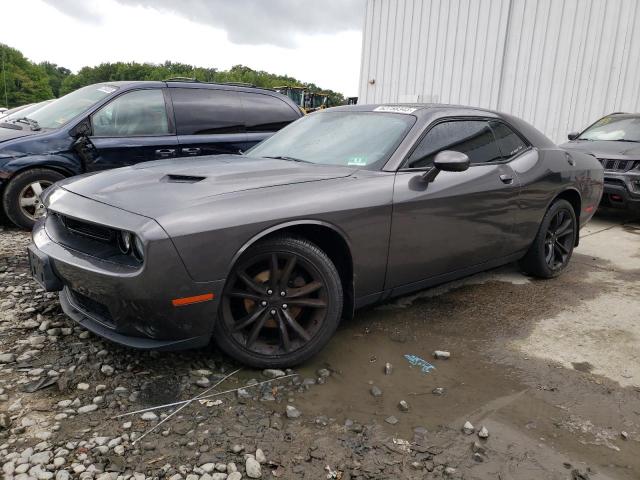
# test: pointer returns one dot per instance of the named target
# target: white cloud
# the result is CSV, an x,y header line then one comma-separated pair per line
x,y
117,32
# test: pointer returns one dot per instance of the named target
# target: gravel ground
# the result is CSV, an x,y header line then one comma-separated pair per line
x,y
367,407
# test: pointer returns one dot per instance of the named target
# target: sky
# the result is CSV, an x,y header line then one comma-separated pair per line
x,y
313,41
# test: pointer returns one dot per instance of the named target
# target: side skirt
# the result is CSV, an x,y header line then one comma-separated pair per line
x,y
437,280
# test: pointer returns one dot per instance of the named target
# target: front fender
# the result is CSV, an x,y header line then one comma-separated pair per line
x,y
65,163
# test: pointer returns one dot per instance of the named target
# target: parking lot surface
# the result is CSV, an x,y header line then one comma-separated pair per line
x,y
550,368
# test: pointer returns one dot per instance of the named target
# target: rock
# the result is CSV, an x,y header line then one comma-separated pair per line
x,y
217,476
252,467
388,368
83,386
477,448
624,435
63,475
403,406
40,458
149,416
450,471
5,421
208,467
192,476
88,408
107,370
237,448
7,358
292,412
468,428
324,373
438,391
203,382
260,457
441,354
273,373
234,476
483,433
391,420
478,458
375,391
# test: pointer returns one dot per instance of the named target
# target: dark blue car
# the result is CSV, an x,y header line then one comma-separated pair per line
x,y
116,124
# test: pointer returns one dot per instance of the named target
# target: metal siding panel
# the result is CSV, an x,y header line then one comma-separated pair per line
x,y
559,64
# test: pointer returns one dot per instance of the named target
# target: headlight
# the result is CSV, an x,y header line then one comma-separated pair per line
x,y
138,248
124,242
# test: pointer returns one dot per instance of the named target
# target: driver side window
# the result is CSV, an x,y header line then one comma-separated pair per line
x,y
134,114
471,137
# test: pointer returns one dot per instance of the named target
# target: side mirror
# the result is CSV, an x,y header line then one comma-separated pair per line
x,y
447,161
451,161
82,129
573,135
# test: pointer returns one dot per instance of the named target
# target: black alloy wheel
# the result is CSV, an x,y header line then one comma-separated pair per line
x,y
281,303
553,245
559,239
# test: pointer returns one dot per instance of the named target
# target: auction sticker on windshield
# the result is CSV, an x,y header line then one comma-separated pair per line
x,y
357,161
394,109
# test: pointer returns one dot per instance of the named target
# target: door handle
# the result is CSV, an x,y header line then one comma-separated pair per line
x,y
165,152
191,151
570,159
508,179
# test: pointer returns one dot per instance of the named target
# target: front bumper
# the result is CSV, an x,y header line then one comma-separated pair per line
x,y
127,305
622,190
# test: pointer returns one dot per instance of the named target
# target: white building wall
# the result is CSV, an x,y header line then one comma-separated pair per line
x,y
559,64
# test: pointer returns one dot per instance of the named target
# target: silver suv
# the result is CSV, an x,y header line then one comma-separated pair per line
x,y
615,141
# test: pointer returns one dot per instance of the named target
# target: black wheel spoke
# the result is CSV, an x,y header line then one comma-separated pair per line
x,y
284,333
308,302
249,319
255,331
564,229
295,326
304,290
257,288
247,295
288,270
564,249
273,272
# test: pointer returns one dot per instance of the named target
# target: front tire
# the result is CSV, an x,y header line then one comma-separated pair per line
x,y
553,246
21,198
281,304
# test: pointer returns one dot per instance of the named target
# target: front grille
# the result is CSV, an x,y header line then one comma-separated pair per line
x,y
89,230
619,165
93,308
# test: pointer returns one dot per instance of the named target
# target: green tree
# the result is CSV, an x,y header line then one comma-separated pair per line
x,y
55,75
21,81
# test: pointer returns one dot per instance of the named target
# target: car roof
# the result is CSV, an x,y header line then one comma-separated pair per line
x,y
125,84
429,112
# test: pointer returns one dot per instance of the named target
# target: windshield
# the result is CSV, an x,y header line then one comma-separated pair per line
x,y
26,111
614,128
359,139
58,113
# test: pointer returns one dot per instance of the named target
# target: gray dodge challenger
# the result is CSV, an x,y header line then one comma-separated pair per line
x,y
264,253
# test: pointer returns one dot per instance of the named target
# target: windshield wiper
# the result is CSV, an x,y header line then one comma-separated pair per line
x,y
625,140
291,159
29,121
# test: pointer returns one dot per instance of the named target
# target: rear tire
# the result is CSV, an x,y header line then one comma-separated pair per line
x,y
284,322
553,246
21,197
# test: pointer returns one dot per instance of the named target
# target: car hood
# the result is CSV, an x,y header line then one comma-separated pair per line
x,y
9,133
153,188
609,149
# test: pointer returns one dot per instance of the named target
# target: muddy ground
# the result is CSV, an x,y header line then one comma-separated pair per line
x,y
550,368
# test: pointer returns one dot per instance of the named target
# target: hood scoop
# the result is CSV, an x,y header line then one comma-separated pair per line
x,y
174,178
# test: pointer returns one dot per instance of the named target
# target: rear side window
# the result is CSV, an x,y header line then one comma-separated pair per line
x,y
472,137
202,111
133,114
509,142
265,113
